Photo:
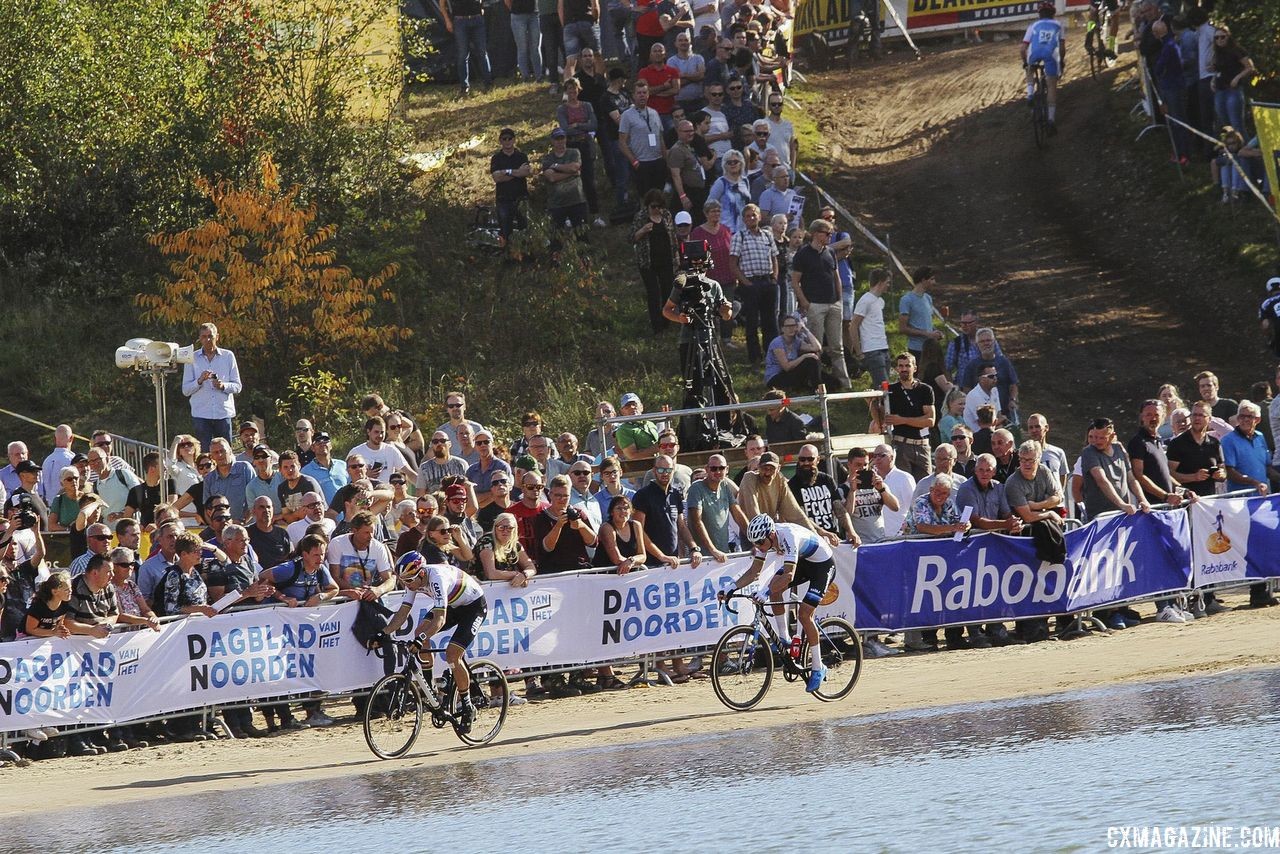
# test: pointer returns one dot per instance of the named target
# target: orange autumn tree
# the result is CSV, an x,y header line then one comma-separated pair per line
x,y
258,268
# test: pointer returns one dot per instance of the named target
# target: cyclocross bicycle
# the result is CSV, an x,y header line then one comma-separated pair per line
x,y
1039,104
743,663
399,702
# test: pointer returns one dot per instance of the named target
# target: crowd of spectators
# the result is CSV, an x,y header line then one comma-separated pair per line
x,y
210,525
1201,75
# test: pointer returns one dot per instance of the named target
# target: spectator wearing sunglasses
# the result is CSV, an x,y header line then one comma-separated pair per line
x,y
486,467
439,464
98,541
455,404
711,503
329,473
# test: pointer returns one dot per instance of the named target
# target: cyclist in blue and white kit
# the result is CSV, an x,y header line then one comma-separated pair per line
x,y
806,557
1044,42
457,601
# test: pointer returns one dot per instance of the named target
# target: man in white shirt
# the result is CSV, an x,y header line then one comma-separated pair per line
x,y
382,458
358,560
313,507
985,393
897,481
782,136
867,334
59,458
212,381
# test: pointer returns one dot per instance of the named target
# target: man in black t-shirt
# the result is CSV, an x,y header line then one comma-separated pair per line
x,y
818,495
780,423
270,542
817,290
1195,456
911,414
510,170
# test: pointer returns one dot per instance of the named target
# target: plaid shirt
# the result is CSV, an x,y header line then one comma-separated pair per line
x,y
755,252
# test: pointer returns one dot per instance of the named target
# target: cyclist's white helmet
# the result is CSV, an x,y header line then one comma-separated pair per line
x,y
1273,284
760,527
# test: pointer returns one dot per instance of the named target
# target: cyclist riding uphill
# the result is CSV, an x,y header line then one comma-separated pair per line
x,y
1044,43
806,557
457,602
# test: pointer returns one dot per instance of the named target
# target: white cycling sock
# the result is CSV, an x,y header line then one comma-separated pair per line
x,y
1053,111
1030,91
780,626
815,656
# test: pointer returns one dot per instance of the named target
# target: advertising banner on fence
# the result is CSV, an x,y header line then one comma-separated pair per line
x,y
994,577
273,652
1266,118
1235,538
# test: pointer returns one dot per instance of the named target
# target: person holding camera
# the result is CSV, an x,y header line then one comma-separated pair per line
x,y
211,380
562,533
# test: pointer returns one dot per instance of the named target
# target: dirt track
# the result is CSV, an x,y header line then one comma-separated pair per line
x,y
1055,248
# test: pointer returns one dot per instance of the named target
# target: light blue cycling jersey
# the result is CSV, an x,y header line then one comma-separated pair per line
x,y
1045,38
797,542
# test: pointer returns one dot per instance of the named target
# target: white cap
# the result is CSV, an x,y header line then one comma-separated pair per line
x,y
683,218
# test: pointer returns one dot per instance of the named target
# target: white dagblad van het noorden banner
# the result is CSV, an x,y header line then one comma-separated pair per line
x,y
577,619
1235,539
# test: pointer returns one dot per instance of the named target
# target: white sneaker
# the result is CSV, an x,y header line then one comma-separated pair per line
x,y
600,223
36,735
514,699
1168,614
1187,616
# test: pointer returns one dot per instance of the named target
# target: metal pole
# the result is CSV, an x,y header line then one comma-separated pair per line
x,y
157,379
826,429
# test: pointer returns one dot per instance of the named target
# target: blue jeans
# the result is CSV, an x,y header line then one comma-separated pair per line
x,y
579,35
472,40
208,429
1228,106
524,27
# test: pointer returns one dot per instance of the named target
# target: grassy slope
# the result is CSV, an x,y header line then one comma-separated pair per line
x,y
515,337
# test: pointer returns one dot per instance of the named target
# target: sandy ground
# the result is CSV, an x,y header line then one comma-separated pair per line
x,y
1149,653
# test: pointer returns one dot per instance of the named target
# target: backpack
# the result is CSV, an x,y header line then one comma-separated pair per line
x,y
370,629
157,595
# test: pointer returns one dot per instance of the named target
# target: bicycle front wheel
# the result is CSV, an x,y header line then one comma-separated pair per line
x,y
393,716
841,655
742,668
490,697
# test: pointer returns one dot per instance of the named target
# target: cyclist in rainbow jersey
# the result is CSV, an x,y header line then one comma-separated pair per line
x,y
806,558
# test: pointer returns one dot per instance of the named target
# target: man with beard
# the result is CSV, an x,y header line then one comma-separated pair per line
x,y
816,493
439,464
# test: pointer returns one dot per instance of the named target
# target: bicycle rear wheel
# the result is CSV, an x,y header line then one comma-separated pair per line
x,y
1040,112
490,697
393,716
742,668
841,655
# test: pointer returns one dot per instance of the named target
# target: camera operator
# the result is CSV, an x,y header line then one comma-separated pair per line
x,y
696,297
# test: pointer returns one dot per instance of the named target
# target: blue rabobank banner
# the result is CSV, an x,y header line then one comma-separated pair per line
x,y
994,577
